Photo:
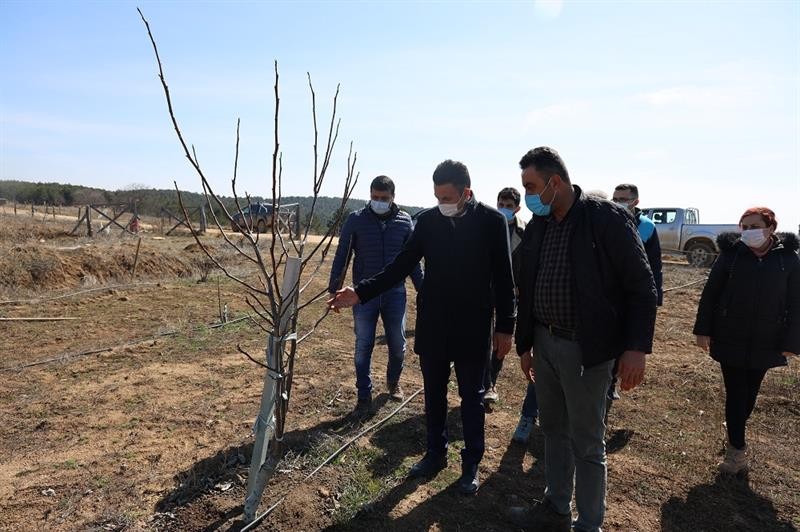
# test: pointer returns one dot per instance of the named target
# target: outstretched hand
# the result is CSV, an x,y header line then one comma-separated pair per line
x,y
346,297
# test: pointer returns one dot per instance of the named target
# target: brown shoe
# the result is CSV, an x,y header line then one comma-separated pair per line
x,y
735,461
396,392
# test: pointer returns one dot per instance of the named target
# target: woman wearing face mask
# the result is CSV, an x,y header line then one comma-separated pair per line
x,y
749,317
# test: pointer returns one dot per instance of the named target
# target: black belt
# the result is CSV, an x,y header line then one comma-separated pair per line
x,y
561,332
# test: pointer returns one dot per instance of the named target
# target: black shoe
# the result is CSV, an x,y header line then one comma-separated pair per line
x,y
363,407
428,466
468,484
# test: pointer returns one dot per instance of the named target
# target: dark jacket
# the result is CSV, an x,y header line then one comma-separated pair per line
x,y
516,231
613,289
750,306
467,275
375,242
652,247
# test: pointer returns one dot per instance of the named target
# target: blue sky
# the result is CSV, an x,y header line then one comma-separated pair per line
x,y
697,103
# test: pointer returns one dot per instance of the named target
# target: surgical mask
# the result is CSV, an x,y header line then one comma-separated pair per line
x,y
380,207
450,209
754,238
534,203
624,204
508,213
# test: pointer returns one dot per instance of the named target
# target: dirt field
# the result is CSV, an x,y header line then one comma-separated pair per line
x,y
139,416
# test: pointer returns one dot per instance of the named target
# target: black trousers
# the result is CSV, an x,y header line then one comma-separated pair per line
x,y
492,371
741,390
470,373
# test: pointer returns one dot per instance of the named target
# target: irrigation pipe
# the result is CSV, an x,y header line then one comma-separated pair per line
x,y
67,356
71,294
685,285
332,457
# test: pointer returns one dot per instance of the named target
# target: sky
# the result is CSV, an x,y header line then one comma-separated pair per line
x,y
698,103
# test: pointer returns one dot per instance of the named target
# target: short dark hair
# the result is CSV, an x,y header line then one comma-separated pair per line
x,y
509,193
452,172
545,160
382,183
633,189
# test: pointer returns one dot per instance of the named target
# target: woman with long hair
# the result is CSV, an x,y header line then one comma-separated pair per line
x,y
749,317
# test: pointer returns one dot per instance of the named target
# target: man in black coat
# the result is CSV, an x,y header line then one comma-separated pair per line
x,y
586,299
467,277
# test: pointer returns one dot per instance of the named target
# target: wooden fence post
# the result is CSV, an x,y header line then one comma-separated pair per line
x,y
89,221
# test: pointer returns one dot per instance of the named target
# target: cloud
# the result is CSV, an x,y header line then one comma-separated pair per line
x,y
549,9
556,113
694,96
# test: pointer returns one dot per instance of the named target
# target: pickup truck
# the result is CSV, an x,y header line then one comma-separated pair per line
x,y
680,230
257,216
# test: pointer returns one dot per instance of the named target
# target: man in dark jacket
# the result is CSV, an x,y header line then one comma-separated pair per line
x,y
586,298
467,276
375,235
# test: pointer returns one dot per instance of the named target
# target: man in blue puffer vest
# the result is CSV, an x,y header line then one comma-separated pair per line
x,y
374,235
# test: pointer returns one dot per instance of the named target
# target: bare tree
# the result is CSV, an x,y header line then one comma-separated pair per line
x,y
276,300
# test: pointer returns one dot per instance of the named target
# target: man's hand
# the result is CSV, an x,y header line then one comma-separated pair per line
x,y
501,344
346,297
703,341
526,362
631,369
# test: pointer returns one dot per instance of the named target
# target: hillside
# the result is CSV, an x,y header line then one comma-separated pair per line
x,y
151,201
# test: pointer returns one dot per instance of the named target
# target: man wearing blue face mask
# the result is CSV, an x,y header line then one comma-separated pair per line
x,y
586,299
468,279
374,235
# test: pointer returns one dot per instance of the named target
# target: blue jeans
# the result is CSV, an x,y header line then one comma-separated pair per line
x,y
530,407
391,307
572,402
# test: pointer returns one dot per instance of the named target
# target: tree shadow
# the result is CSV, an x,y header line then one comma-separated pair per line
x,y
727,503
229,464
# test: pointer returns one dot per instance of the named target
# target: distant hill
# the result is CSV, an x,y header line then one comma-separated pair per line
x,y
150,201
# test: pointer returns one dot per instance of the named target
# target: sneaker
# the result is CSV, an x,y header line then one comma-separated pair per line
x,y
396,392
735,461
541,517
491,395
428,466
523,431
468,484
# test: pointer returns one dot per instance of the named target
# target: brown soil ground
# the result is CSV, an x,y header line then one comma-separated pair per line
x,y
153,432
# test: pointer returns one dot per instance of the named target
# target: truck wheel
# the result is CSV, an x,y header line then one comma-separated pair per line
x,y
700,254
262,226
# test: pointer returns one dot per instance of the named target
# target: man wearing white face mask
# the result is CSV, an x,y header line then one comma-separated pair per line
x,y
467,279
374,236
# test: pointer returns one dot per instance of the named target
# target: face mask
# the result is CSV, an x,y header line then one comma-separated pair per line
x,y
450,209
754,238
380,207
534,203
624,204
508,213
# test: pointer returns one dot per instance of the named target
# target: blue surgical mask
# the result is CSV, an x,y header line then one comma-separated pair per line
x,y
508,213
380,207
534,203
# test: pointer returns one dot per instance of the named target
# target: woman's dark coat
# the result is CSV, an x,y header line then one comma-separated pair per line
x,y
750,306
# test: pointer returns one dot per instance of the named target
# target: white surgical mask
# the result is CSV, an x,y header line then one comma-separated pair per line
x,y
755,238
380,207
451,209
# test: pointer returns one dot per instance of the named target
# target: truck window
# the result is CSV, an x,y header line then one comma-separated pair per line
x,y
664,216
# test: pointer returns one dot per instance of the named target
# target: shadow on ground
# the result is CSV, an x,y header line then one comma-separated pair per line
x,y
727,503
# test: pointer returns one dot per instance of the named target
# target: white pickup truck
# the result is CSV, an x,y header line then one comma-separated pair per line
x,y
680,230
